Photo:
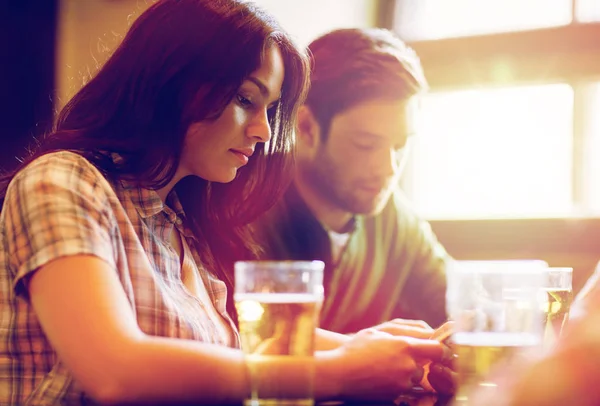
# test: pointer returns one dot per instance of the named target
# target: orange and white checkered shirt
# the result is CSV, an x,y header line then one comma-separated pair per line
x,y
61,205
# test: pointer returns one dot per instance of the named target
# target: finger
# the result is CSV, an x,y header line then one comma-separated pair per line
x,y
417,375
408,331
450,361
425,348
447,324
425,381
442,379
371,331
412,323
444,331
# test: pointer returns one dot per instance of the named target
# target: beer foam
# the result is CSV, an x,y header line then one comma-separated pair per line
x,y
491,339
278,297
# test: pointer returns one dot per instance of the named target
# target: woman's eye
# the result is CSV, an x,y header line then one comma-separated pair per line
x,y
244,101
365,147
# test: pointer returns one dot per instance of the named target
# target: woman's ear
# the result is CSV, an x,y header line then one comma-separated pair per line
x,y
308,131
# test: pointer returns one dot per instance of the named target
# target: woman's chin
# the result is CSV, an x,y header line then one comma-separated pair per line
x,y
224,177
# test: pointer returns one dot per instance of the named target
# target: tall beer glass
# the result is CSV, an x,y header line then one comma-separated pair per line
x,y
496,306
558,286
278,304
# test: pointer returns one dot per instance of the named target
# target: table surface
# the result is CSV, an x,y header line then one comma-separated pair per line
x,y
408,399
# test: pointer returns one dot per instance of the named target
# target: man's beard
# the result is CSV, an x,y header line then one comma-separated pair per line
x,y
327,180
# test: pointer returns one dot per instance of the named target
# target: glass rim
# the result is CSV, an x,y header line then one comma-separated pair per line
x,y
311,265
565,269
501,266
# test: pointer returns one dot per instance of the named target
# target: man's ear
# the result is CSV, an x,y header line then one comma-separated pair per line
x,y
308,131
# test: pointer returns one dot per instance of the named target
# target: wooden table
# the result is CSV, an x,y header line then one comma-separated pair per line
x,y
409,399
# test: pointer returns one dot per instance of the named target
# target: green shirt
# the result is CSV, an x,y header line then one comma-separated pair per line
x,y
392,266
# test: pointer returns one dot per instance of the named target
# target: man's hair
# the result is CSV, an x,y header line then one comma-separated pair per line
x,y
351,66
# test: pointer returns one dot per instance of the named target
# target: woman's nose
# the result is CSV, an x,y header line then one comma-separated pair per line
x,y
260,128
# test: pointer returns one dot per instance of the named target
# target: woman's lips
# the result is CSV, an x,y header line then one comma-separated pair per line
x,y
242,154
241,157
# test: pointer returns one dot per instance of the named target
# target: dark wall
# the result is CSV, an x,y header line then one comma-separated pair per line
x,y
27,73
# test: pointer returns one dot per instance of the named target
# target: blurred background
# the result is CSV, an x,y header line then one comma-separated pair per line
x,y
507,163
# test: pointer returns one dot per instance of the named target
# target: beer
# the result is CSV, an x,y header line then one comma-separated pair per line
x,y
277,324
277,332
556,310
478,353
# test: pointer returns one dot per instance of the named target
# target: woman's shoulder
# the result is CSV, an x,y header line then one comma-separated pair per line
x,y
65,169
58,159
62,162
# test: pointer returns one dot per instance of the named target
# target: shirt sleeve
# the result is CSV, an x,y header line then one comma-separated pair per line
x,y
55,207
424,293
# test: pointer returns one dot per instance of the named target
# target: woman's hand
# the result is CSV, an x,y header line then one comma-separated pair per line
x,y
441,377
375,364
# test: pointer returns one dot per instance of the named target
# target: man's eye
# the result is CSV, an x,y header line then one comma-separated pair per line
x,y
243,101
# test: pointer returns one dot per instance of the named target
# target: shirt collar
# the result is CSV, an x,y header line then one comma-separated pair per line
x,y
148,204
146,201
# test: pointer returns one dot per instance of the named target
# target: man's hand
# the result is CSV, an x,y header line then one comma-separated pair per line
x,y
406,328
329,340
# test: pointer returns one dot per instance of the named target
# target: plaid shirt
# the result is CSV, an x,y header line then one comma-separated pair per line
x,y
61,205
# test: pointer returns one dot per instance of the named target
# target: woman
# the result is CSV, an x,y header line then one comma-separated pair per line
x,y
116,233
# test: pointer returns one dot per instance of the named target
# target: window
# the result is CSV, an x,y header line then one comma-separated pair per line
x,y
490,152
592,149
434,19
587,11
511,126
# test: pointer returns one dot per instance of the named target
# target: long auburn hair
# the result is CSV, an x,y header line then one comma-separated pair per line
x,y
182,61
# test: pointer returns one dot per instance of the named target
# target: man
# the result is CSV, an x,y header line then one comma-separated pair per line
x,y
344,206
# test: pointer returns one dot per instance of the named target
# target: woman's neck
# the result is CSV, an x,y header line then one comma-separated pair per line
x,y
164,191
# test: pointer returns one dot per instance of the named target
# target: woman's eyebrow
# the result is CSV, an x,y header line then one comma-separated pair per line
x,y
264,90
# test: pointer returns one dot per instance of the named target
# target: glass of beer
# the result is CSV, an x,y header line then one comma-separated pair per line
x,y
278,305
496,308
558,288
